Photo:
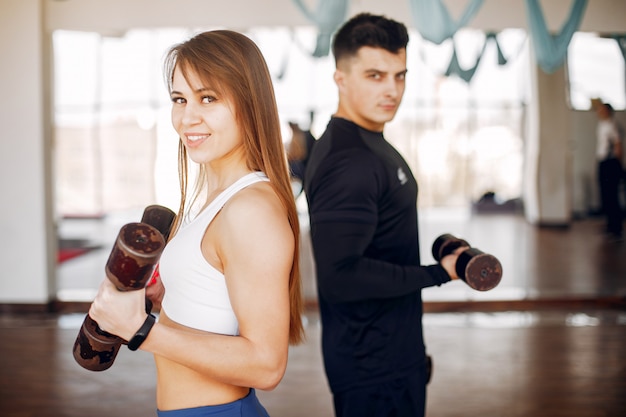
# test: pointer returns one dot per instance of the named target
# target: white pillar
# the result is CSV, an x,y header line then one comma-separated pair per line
x,y
547,173
26,222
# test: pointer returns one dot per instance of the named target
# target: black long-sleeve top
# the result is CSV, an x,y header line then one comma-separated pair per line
x,y
362,201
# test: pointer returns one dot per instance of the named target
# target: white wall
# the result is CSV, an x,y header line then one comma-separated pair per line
x,y
111,16
25,224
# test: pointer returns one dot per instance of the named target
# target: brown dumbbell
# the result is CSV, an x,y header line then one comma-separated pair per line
x,y
479,270
130,266
160,217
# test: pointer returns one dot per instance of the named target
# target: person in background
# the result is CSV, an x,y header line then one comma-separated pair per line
x,y
609,150
229,284
298,150
362,200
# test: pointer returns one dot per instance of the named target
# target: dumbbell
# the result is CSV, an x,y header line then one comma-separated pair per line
x,y
130,266
479,270
159,217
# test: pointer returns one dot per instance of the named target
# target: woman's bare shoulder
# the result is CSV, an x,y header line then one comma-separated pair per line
x,y
259,199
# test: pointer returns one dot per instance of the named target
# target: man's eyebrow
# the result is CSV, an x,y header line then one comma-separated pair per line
x,y
374,71
377,71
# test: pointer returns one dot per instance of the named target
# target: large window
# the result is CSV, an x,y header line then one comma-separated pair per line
x,y
112,121
115,148
596,71
464,139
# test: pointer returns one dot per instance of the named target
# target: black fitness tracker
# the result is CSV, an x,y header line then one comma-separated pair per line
x,y
142,333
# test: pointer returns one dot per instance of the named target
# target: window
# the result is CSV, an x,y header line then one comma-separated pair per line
x,y
596,70
116,149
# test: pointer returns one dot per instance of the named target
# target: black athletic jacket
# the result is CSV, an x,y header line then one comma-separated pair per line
x,y
362,201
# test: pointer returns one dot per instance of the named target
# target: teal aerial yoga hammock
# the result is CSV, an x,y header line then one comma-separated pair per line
x,y
434,23
551,50
328,16
454,68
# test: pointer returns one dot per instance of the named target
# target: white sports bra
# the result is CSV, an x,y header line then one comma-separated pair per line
x,y
195,292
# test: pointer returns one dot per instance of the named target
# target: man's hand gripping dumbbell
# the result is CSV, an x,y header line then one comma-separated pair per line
x,y
479,270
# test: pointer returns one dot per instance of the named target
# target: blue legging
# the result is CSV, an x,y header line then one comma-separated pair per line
x,y
248,406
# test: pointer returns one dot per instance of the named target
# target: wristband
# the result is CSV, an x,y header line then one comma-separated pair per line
x,y
142,333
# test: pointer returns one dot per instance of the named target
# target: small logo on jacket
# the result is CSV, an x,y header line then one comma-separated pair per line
x,y
402,176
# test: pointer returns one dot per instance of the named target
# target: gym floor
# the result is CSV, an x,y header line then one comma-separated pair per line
x,y
550,340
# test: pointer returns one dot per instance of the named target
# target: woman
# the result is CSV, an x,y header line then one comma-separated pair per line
x,y
230,290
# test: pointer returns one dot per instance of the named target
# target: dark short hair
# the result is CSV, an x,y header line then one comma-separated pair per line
x,y
609,108
366,29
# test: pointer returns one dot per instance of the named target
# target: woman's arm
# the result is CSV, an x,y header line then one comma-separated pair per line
x,y
252,242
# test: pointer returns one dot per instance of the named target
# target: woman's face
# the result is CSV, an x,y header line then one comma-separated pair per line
x,y
205,121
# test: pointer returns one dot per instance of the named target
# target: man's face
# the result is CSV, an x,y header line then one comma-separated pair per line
x,y
371,86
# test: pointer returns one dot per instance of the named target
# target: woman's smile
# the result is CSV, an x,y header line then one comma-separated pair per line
x,y
195,139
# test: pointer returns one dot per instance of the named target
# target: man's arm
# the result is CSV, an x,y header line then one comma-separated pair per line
x,y
617,149
343,206
344,274
617,141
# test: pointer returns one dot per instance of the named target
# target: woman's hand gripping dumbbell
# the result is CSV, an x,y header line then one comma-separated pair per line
x,y
131,264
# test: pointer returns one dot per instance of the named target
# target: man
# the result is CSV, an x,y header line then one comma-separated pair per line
x,y
362,201
609,155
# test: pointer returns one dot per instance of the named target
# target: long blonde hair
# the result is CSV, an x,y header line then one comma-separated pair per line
x,y
232,62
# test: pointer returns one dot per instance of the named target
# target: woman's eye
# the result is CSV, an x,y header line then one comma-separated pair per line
x,y
208,99
178,100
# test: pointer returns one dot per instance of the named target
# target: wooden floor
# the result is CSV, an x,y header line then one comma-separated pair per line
x,y
549,341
